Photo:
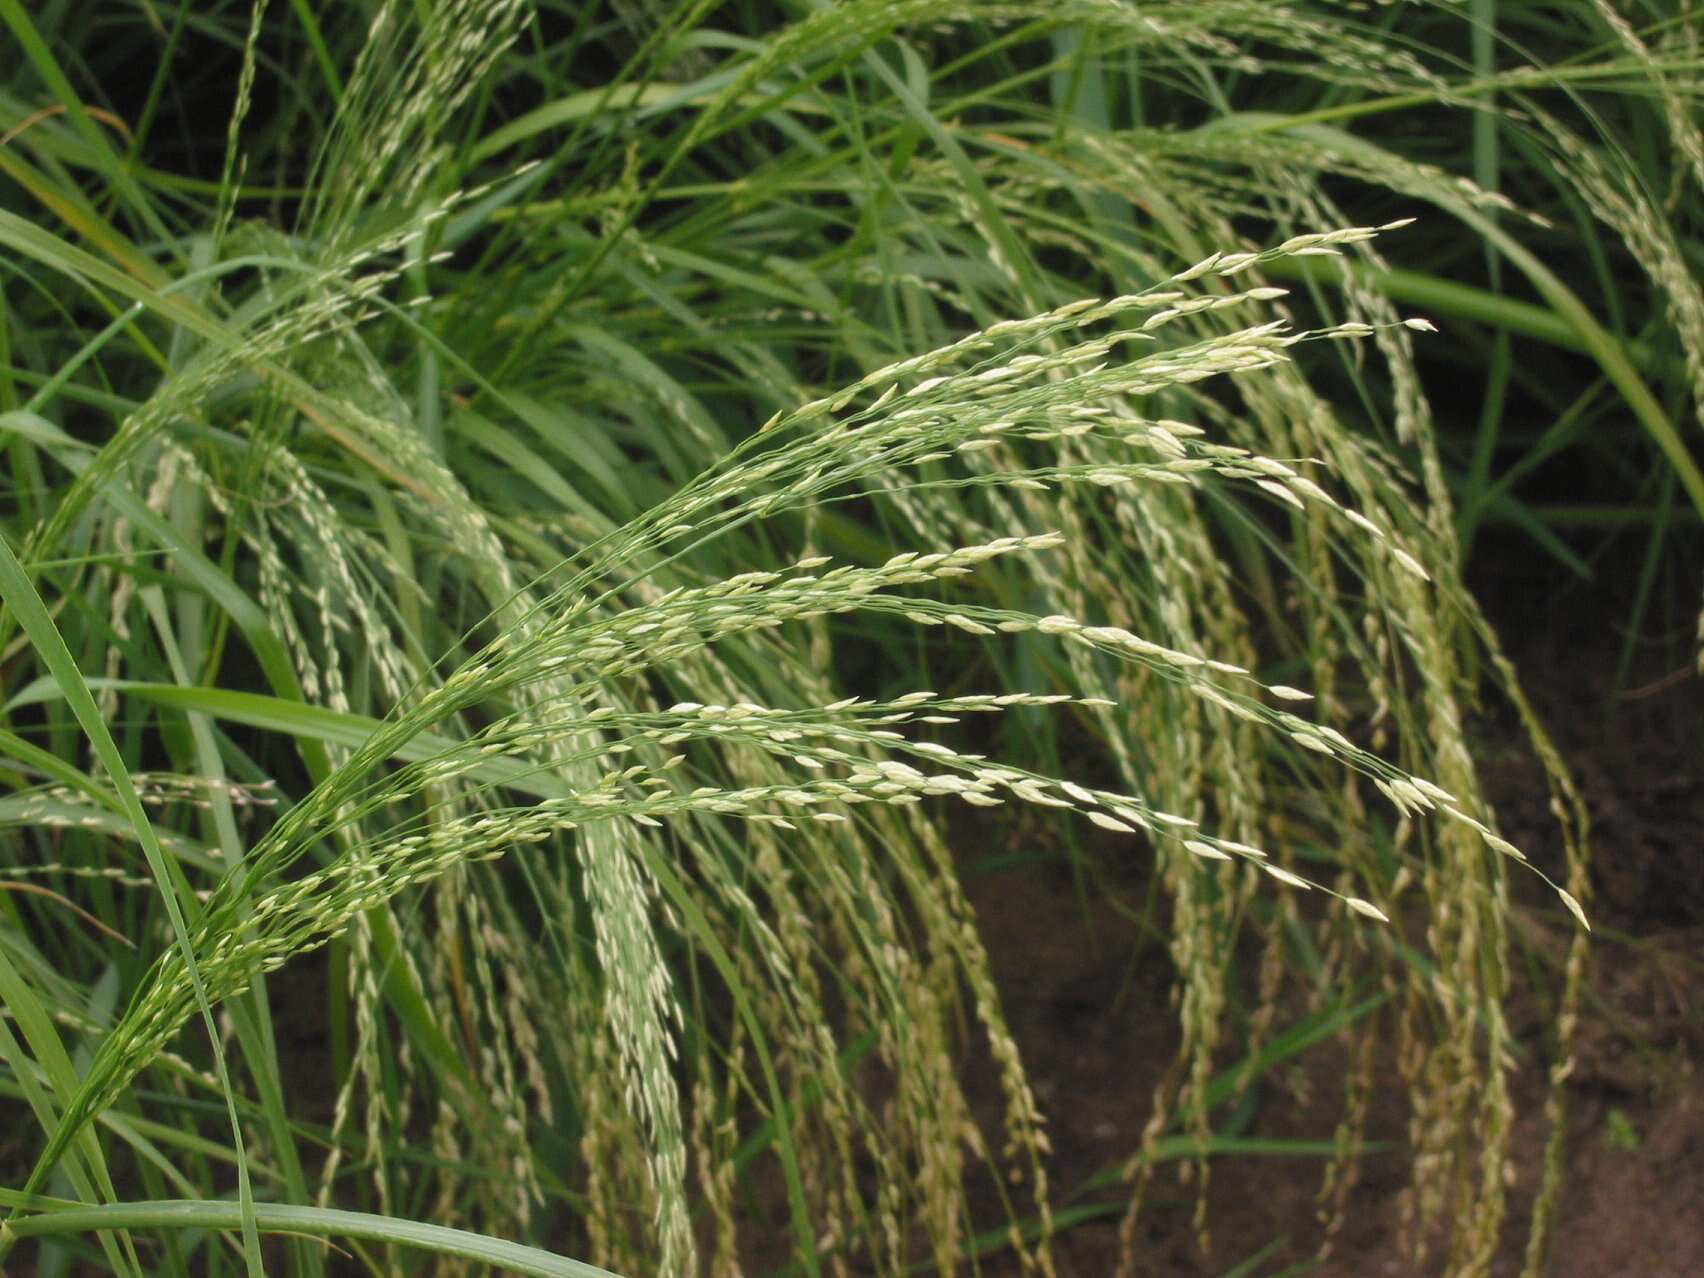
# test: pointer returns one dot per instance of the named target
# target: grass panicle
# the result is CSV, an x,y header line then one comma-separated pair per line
x,y
572,519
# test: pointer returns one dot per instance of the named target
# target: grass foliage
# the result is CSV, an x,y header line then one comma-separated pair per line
x,y
452,500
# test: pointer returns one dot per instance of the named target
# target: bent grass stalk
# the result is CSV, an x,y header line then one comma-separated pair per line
x,y
562,649
1121,523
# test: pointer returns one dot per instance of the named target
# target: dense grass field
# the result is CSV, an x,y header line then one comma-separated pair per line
x,y
543,544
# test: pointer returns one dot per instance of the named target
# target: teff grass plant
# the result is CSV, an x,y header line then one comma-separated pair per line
x,y
457,525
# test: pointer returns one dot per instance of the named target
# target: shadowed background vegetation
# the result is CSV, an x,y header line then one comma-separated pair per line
x,y
530,528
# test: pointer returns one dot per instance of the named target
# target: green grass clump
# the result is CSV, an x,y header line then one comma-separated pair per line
x,y
453,499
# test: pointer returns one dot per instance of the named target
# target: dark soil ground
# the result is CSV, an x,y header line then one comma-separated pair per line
x,y
1095,1026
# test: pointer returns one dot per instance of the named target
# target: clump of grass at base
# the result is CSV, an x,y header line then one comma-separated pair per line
x,y
507,549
